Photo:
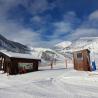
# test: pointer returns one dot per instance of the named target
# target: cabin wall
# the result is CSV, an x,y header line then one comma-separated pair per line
x,y
7,64
11,64
84,62
35,65
15,69
4,61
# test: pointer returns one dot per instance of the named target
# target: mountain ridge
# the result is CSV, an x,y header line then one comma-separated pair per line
x,y
12,46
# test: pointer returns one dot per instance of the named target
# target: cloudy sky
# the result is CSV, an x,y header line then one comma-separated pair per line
x,y
44,23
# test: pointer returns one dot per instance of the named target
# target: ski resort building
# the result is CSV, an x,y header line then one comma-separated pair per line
x,y
15,63
81,60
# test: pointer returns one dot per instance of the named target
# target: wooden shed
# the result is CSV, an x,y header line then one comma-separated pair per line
x,y
15,63
81,60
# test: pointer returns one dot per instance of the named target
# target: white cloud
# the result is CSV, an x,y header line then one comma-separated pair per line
x,y
36,6
32,6
19,34
65,26
94,15
70,16
36,18
83,32
88,28
12,30
16,32
47,44
62,27
5,5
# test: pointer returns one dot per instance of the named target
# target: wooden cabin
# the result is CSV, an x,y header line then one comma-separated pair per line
x,y
81,60
15,63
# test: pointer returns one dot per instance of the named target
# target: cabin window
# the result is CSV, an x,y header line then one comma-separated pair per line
x,y
26,66
79,56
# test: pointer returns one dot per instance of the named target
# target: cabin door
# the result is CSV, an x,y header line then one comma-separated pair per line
x,y
80,61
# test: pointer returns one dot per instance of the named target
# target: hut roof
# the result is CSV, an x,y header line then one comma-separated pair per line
x,y
82,50
19,55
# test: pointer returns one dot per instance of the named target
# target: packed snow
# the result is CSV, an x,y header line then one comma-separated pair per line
x,y
58,82
19,55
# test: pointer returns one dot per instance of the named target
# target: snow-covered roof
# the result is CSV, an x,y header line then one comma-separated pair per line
x,y
76,50
19,55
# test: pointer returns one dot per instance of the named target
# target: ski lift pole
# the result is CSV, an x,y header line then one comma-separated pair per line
x,y
65,63
51,64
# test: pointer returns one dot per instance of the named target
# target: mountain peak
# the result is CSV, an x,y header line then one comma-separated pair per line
x,y
12,46
63,44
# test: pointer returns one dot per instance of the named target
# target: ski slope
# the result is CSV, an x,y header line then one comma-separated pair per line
x,y
46,83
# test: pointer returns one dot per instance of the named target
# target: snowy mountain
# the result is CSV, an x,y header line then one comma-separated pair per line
x,y
6,44
46,54
63,44
90,43
66,48
59,52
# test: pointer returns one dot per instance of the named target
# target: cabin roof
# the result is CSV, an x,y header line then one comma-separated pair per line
x,y
82,50
19,55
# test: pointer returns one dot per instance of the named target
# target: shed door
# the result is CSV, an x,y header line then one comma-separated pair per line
x,y
80,61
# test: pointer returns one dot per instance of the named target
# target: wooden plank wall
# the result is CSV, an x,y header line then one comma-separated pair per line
x,y
83,65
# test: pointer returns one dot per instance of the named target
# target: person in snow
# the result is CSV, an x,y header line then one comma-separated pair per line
x,y
92,59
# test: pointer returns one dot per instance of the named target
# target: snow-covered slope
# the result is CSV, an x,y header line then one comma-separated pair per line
x,y
6,44
66,48
90,43
46,55
56,83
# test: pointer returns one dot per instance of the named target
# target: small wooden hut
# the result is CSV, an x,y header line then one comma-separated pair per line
x,y
15,63
81,60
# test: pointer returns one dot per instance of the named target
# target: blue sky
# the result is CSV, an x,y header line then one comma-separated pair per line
x,y
44,23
